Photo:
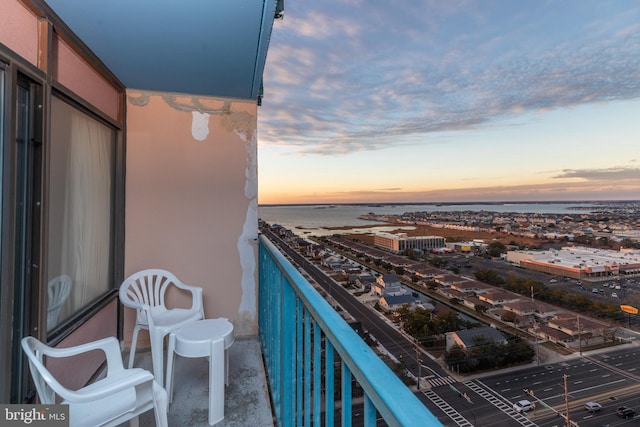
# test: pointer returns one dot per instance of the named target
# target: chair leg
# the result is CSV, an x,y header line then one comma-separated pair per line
x,y
160,405
216,382
134,342
157,356
226,368
170,360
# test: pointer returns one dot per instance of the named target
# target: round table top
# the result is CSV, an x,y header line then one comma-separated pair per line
x,y
206,330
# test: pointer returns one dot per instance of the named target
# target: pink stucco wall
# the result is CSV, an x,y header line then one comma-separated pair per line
x,y
76,74
191,206
19,29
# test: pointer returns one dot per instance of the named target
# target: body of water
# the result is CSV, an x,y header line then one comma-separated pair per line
x,y
311,219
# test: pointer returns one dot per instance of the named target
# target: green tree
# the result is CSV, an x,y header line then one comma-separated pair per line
x,y
496,248
489,276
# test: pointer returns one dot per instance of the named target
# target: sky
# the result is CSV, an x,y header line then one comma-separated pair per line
x,y
442,101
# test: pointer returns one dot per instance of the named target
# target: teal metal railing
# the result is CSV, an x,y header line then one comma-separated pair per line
x,y
301,334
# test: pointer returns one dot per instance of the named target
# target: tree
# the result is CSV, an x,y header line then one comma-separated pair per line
x,y
496,248
480,308
489,276
508,316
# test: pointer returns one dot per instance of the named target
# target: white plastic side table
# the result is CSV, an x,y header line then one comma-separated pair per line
x,y
204,338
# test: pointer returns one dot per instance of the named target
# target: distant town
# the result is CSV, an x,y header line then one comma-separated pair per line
x,y
614,224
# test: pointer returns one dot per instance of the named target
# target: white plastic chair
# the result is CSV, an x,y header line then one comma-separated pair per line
x,y
122,395
59,289
145,291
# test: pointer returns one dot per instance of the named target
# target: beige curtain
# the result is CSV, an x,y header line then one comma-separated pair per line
x,y
81,184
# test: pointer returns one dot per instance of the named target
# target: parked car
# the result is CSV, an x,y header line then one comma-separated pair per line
x,y
614,295
617,287
594,290
606,285
592,406
523,406
625,412
553,281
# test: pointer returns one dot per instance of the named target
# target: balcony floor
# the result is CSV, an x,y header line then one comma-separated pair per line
x,y
246,398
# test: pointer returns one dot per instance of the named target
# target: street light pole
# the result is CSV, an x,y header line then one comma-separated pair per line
x,y
535,328
419,362
566,400
579,336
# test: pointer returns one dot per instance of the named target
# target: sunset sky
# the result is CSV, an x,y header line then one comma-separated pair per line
x,y
428,101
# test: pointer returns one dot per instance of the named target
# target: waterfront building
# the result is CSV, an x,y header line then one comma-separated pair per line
x,y
400,242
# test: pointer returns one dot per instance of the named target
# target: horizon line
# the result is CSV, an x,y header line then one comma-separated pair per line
x,y
505,202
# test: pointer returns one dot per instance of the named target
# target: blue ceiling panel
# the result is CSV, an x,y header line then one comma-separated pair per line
x,y
207,47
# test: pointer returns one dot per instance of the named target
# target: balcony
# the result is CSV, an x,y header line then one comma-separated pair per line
x,y
308,367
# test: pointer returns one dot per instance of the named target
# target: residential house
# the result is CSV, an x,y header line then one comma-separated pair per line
x,y
498,297
450,279
387,284
551,334
466,338
474,302
521,307
365,282
472,287
452,293
394,302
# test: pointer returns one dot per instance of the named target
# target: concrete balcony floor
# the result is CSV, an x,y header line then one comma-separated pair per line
x,y
246,400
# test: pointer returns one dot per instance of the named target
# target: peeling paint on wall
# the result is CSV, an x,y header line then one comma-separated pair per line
x,y
249,237
199,125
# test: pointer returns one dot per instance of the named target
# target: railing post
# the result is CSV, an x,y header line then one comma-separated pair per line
x,y
346,395
289,353
329,383
294,322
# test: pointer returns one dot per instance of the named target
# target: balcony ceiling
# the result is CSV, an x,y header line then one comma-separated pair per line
x,y
203,47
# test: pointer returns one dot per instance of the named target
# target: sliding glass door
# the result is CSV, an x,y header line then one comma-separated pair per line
x,y
27,204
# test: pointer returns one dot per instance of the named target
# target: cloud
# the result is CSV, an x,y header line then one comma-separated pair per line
x,y
361,78
607,174
545,192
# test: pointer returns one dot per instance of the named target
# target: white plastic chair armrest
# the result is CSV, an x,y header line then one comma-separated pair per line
x,y
108,345
196,293
133,377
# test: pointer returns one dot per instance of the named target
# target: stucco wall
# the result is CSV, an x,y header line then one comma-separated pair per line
x,y
191,199
19,29
79,76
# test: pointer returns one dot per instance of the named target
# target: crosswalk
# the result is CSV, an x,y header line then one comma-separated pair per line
x,y
435,382
447,409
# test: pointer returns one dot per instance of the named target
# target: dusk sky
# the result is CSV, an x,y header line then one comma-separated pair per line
x,y
429,101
